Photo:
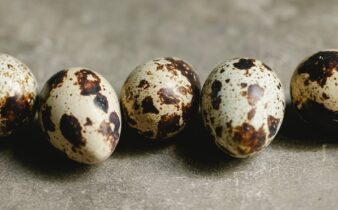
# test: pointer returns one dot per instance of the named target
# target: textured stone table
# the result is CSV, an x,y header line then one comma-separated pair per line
x,y
298,171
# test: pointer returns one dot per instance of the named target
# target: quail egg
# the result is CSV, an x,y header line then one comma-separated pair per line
x,y
314,87
242,106
160,97
18,91
79,113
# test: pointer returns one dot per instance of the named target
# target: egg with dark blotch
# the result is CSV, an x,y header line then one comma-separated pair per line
x,y
242,106
18,91
79,113
314,88
160,97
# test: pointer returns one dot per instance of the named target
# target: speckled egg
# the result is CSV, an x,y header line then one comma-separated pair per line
x,y
79,113
314,88
18,91
160,97
242,106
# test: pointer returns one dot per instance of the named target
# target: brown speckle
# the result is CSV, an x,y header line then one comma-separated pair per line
x,y
148,105
325,96
89,82
244,64
71,130
143,84
243,85
88,122
246,135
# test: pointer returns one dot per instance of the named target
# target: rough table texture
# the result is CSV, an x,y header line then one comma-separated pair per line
x,y
298,171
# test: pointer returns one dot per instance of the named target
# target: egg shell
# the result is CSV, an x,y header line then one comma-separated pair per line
x,y
160,97
79,113
314,88
242,106
18,91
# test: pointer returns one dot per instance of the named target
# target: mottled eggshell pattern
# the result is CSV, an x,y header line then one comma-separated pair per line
x,y
242,106
80,114
160,97
18,91
314,88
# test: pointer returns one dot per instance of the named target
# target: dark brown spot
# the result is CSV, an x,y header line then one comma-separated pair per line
x,y
16,110
143,84
88,122
71,130
227,80
148,105
54,82
244,64
114,118
279,86
243,85
215,97
222,70
167,96
89,82
159,66
251,114
255,93
57,79
325,96
320,66
246,135
273,125
219,131
101,102
168,124
46,118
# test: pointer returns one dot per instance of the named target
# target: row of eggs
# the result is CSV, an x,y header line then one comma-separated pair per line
x,y
242,103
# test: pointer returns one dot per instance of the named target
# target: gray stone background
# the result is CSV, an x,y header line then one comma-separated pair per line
x,y
298,171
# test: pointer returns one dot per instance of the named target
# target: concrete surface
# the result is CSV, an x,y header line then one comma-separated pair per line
x,y
298,171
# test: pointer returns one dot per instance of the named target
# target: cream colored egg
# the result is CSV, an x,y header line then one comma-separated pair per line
x,y
242,106
80,114
314,88
160,97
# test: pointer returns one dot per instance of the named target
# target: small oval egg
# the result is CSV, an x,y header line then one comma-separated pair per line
x,y
160,97
314,87
79,113
18,91
242,106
